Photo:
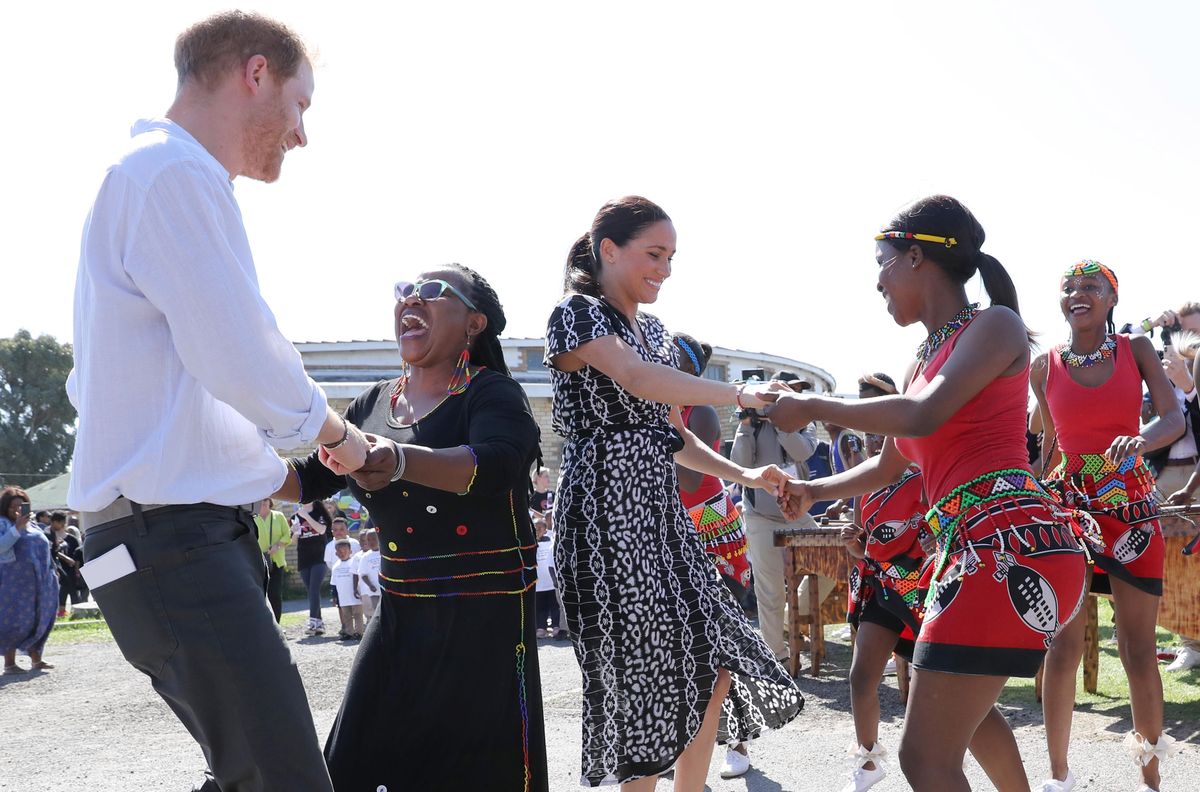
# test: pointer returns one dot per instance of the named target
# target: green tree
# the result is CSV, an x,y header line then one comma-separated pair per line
x,y
37,421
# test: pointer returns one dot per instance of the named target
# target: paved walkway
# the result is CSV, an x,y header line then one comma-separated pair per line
x,y
94,723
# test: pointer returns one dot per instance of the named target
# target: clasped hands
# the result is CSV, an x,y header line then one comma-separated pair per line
x,y
788,410
377,466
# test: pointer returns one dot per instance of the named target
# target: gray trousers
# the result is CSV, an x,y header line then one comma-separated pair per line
x,y
193,618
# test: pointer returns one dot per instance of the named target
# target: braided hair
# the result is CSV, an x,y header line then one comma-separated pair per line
x,y
486,351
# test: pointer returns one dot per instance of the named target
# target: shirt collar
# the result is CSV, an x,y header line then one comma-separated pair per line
x,y
172,129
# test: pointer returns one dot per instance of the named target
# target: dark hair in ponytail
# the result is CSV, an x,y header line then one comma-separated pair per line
x,y
620,220
941,215
486,351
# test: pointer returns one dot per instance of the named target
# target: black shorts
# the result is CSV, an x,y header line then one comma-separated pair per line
x,y
875,613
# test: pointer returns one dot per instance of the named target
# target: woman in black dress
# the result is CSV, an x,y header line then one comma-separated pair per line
x,y
659,638
445,692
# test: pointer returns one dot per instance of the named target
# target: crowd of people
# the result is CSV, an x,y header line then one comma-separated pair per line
x,y
971,562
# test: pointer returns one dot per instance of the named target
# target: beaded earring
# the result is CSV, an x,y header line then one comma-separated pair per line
x,y
461,377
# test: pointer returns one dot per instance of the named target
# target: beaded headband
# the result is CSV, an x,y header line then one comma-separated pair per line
x,y
947,241
686,347
1089,267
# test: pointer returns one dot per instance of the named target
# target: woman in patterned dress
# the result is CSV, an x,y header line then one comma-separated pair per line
x,y
664,649
1089,392
1009,571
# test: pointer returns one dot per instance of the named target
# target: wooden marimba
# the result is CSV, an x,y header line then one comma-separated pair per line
x,y
813,551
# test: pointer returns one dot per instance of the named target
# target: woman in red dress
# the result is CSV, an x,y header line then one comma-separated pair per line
x,y
1009,571
1089,391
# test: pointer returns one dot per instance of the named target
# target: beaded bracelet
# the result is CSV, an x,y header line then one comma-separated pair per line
x,y
345,436
737,397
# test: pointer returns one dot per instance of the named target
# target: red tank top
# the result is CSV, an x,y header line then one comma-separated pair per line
x,y
1088,419
987,433
709,485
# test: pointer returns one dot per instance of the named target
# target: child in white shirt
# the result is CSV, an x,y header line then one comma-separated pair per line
x,y
546,599
341,579
367,573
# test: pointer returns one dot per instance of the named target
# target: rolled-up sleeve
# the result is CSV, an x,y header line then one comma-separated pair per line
x,y
182,259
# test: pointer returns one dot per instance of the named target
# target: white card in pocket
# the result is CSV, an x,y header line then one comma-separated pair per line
x,y
104,569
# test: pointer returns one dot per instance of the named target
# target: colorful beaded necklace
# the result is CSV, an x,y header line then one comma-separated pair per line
x,y
1076,360
942,334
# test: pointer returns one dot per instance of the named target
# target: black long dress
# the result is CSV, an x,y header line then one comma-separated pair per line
x,y
650,619
445,692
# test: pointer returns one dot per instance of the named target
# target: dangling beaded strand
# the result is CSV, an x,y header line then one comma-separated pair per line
x,y
938,337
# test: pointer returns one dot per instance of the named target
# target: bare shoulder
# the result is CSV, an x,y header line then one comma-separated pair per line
x,y
1142,345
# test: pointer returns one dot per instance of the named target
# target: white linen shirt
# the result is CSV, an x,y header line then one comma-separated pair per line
x,y
182,379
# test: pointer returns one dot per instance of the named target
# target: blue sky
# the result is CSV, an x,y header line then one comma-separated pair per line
x,y
779,136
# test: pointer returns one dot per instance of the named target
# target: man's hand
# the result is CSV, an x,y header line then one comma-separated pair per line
x,y
1177,370
347,457
1166,319
1180,498
376,472
852,534
837,509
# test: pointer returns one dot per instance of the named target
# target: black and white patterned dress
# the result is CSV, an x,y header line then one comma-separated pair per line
x,y
650,619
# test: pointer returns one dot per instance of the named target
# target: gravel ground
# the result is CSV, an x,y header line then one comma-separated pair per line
x,y
94,723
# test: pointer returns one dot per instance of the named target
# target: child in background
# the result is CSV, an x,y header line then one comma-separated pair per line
x,y
547,598
366,573
350,609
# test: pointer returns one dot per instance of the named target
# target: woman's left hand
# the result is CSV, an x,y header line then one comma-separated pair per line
x,y
1124,447
791,412
769,478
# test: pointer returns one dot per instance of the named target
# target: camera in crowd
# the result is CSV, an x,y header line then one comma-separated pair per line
x,y
759,375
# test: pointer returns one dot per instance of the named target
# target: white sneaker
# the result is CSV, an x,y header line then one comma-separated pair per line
x,y
862,779
1054,785
890,668
1186,658
736,764
1145,788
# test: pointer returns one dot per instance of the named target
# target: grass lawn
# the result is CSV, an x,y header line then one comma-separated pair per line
x,y
1181,690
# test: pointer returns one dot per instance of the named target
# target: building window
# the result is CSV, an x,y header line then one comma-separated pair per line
x,y
533,360
717,371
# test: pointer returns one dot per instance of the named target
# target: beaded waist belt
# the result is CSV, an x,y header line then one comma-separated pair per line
x,y
996,485
1125,490
1097,465
947,514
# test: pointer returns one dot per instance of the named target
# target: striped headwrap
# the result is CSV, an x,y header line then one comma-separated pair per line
x,y
1089,267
